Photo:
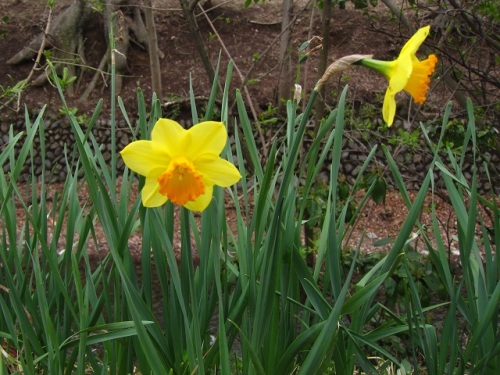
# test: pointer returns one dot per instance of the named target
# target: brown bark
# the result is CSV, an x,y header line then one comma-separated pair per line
x,y
188,8
286,76
154,59
64,36
323,57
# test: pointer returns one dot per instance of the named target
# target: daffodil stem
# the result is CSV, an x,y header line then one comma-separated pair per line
x,y
188,289
113,108
297,142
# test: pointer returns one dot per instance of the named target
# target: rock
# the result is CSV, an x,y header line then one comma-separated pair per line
x,y
106,155
348,167
124,140
355,171
4,127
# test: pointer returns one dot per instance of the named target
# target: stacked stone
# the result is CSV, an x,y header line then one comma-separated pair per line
x,y
60,146
412,163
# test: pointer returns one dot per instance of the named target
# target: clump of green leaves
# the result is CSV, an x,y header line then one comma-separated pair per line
x,y
488,8
409,140
421,270
64,80
3,21
11,93
269,116
81,119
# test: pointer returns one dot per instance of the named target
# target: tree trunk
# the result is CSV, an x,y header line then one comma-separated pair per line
x,y
187,8
121,44
65,31
285,57
154,59
323,57
64,34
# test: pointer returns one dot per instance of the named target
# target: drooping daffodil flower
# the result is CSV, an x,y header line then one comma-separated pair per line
x,y
406,73
180,165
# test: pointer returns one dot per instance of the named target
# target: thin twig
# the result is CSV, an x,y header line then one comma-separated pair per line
x,y
42,47
309,37
275,40
93,82
399,14
37,61
245,88
214,7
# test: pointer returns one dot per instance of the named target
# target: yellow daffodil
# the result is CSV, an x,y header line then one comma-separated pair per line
x,y
181,165
407,73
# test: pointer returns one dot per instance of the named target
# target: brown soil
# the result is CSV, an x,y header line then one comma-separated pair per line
x,y
246,33
250,35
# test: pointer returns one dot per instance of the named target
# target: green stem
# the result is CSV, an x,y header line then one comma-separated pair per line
x,y
113,109
297,142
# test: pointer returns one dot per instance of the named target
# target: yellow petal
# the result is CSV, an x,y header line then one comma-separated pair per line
x,y
172,137
150,193
202,202
411,46
389,108
144,158
218,171
207,137
398,77
400,72
166,128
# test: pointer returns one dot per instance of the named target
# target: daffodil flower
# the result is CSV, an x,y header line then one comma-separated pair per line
x,y
407,73
180,165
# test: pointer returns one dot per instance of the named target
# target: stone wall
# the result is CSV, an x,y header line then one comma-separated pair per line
x,y
60,144
412,163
